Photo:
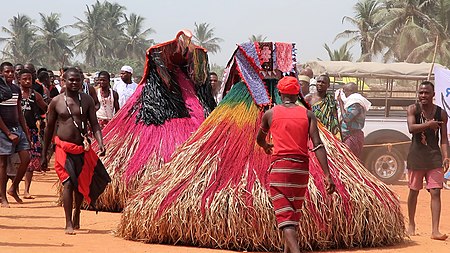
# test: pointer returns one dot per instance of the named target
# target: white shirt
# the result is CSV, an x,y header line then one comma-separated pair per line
x,y
125,91
106,110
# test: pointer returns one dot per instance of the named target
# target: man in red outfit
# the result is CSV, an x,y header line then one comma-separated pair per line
x,y
291,126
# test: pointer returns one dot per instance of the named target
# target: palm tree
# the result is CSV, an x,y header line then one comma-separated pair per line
x,y
442,13
343,54
20,45
114,17
437,37
94,38
134,41
367,22
204,37
114,13
54,42
409,25
257,38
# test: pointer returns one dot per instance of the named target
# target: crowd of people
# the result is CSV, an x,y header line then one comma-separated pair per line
x,y
26,95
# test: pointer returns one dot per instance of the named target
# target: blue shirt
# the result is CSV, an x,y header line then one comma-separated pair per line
x,y
353,119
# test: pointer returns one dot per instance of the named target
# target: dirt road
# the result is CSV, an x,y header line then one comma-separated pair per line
x,y
37,226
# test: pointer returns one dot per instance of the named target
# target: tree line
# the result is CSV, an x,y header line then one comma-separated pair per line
x,y
387,30
108,38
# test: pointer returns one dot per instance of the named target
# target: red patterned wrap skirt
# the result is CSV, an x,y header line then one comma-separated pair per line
x,y
288,184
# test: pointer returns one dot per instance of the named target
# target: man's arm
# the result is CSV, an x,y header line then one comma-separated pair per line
x,y
116,101
49,129
22,121
40,102
93,121
94,97
12,137
263,131
444,140
47,94
413,127
320,151
336,114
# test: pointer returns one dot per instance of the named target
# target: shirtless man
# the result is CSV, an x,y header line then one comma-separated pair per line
x,y
71,111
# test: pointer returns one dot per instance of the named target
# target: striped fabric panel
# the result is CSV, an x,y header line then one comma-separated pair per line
x,y
288,185
288,182
12,101
284,209
287,223
290,171
280,196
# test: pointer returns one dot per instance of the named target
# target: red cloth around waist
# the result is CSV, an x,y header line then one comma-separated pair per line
x,y
288,184
84,179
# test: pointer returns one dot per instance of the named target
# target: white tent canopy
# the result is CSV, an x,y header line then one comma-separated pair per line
x,y
398,70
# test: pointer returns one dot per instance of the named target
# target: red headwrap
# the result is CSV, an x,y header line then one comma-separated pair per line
x,y
289,85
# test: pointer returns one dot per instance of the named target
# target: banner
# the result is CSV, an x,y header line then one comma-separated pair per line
x,y
442,90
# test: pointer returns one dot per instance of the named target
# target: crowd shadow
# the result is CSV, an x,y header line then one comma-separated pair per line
x,y
15,244
39,196
26,217
28,228
48,206
94,231
405,244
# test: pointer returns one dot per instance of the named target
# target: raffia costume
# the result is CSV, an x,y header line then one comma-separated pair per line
x,y
169,104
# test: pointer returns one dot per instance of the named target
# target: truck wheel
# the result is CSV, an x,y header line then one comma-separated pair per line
x,y
386,166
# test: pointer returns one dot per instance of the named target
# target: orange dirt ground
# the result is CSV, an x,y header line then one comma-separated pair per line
x,y
37,226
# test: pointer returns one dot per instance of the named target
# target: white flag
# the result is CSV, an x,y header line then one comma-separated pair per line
x,y
442,90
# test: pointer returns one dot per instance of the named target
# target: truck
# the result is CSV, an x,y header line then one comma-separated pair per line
x,y
391,88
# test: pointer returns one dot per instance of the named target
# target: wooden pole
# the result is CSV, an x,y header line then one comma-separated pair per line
x,y
434,58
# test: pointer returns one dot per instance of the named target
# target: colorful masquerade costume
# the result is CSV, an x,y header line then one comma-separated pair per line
x,y
83,169
326,112
169,104
215,190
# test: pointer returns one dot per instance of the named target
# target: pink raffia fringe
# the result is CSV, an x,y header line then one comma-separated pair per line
x,y
136,152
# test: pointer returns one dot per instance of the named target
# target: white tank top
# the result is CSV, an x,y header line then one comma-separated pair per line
x,y
106,110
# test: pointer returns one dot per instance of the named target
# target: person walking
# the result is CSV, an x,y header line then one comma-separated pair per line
x,y
427,159
76,164
291,126
31,103
14,137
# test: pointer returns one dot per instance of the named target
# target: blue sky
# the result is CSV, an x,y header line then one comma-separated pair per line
x,y
309,24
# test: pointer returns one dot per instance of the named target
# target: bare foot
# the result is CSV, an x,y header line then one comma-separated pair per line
x,y
411,231
5,203
439,236
27,196
15,196
69,231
